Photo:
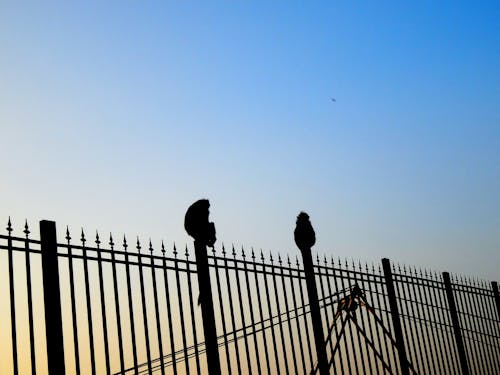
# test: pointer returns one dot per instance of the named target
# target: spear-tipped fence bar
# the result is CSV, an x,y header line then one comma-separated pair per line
x,y
261,309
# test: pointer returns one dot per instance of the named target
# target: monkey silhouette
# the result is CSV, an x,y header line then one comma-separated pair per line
x,y
197,225
305,238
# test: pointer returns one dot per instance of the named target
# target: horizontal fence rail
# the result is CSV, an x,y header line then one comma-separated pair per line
x,y
131,307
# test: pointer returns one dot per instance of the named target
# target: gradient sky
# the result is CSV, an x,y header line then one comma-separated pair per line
x,y
117,115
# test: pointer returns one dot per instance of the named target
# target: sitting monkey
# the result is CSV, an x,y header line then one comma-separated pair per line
x,y
197,225
305,238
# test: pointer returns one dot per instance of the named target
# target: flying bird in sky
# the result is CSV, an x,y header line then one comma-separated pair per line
x,y
333,99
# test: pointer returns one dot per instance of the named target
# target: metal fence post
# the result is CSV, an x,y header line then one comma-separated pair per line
x,y
203,232
52,298
305,238
494,284
456,323
207,308
396,322
317,323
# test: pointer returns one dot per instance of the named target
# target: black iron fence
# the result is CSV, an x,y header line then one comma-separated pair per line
x,y
86,305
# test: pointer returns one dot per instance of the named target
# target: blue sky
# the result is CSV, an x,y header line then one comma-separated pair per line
x,y
116,116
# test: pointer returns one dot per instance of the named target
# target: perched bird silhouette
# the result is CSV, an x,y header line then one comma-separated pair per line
x,y
305,238
197,225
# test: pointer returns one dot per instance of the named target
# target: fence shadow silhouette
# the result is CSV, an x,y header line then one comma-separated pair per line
x,y
129,309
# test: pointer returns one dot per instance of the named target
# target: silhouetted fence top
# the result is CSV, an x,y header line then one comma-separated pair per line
x,y
128,306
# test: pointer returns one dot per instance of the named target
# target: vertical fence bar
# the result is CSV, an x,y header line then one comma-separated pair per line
x,y
297,321
494,285
261,315
143,305
451,348
130,305
30,300
327,318
350,326
207,308
430,311
329,309
288,318
73,302
476,360
305,313
479,325
393,304
12,300
157,310
492,326
169,308
52,298
191,310
269,306
407,323
242,312
181,310
222,313
444,353
252,316
455,322
88,303
231,311
117,304
312,291
103,304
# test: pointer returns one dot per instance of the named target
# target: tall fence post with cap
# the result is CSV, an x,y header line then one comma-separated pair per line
x,y
456,324
494,284
305,238
396,322
52,298
197,225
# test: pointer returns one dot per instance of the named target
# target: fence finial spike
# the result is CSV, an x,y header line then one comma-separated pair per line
x,y
233,251
288,260
223,250
175,250
261,255
186,251
253,254
97,241
125,246
162,247
82,237
111,243
271,256
297,261
242,252
68,237
150,246
9,226
138,245
26,228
